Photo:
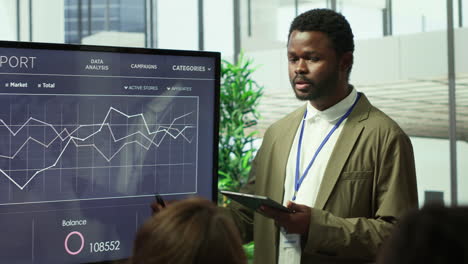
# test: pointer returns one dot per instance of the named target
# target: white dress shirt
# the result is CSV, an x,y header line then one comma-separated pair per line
x,y
316,127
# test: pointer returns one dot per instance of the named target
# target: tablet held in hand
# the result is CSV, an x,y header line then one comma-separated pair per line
x,y
255,201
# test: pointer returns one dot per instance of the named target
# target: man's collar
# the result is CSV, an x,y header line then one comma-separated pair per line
x,y
334,112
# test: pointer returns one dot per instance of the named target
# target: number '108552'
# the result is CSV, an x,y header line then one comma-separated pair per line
x,y
104,246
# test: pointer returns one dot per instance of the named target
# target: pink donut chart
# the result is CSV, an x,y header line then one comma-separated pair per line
x,y
66,243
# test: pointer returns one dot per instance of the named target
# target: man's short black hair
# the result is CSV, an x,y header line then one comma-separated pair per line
x,y
329,22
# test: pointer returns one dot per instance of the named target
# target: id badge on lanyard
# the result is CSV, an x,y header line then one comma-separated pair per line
x,y
290,240
290,245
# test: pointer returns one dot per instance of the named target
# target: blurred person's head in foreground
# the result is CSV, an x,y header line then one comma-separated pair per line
x,y
434,234
189,231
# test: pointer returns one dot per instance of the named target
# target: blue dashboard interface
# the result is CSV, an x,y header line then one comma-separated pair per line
x,y
89,135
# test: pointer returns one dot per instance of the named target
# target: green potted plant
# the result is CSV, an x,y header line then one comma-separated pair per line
x,y
239,99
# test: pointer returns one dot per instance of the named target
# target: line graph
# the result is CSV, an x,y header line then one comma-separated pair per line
x,y
72,139
87,146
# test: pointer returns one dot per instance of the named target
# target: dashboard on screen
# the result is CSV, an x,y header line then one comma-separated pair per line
x,y
89,135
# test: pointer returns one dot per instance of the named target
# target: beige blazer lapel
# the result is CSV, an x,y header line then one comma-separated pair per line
x,y
282,150
348,137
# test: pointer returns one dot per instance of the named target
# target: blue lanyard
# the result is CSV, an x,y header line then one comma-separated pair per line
x,y
298,180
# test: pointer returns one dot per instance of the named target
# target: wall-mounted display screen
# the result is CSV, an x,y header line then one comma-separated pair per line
x,y
89,135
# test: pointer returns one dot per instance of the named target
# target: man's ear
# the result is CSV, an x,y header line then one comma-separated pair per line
x,y
346,61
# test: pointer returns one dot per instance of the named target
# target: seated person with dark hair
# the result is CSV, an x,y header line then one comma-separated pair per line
x,y
188,231
433,234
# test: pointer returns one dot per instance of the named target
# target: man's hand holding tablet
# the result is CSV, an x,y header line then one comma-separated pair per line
x,y
294,218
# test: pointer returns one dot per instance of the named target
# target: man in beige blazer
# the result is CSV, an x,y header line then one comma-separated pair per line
x,y
368,179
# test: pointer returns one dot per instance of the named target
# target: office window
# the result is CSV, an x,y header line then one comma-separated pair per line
x,y
365,17
418,16
105,22
177,24
219,27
